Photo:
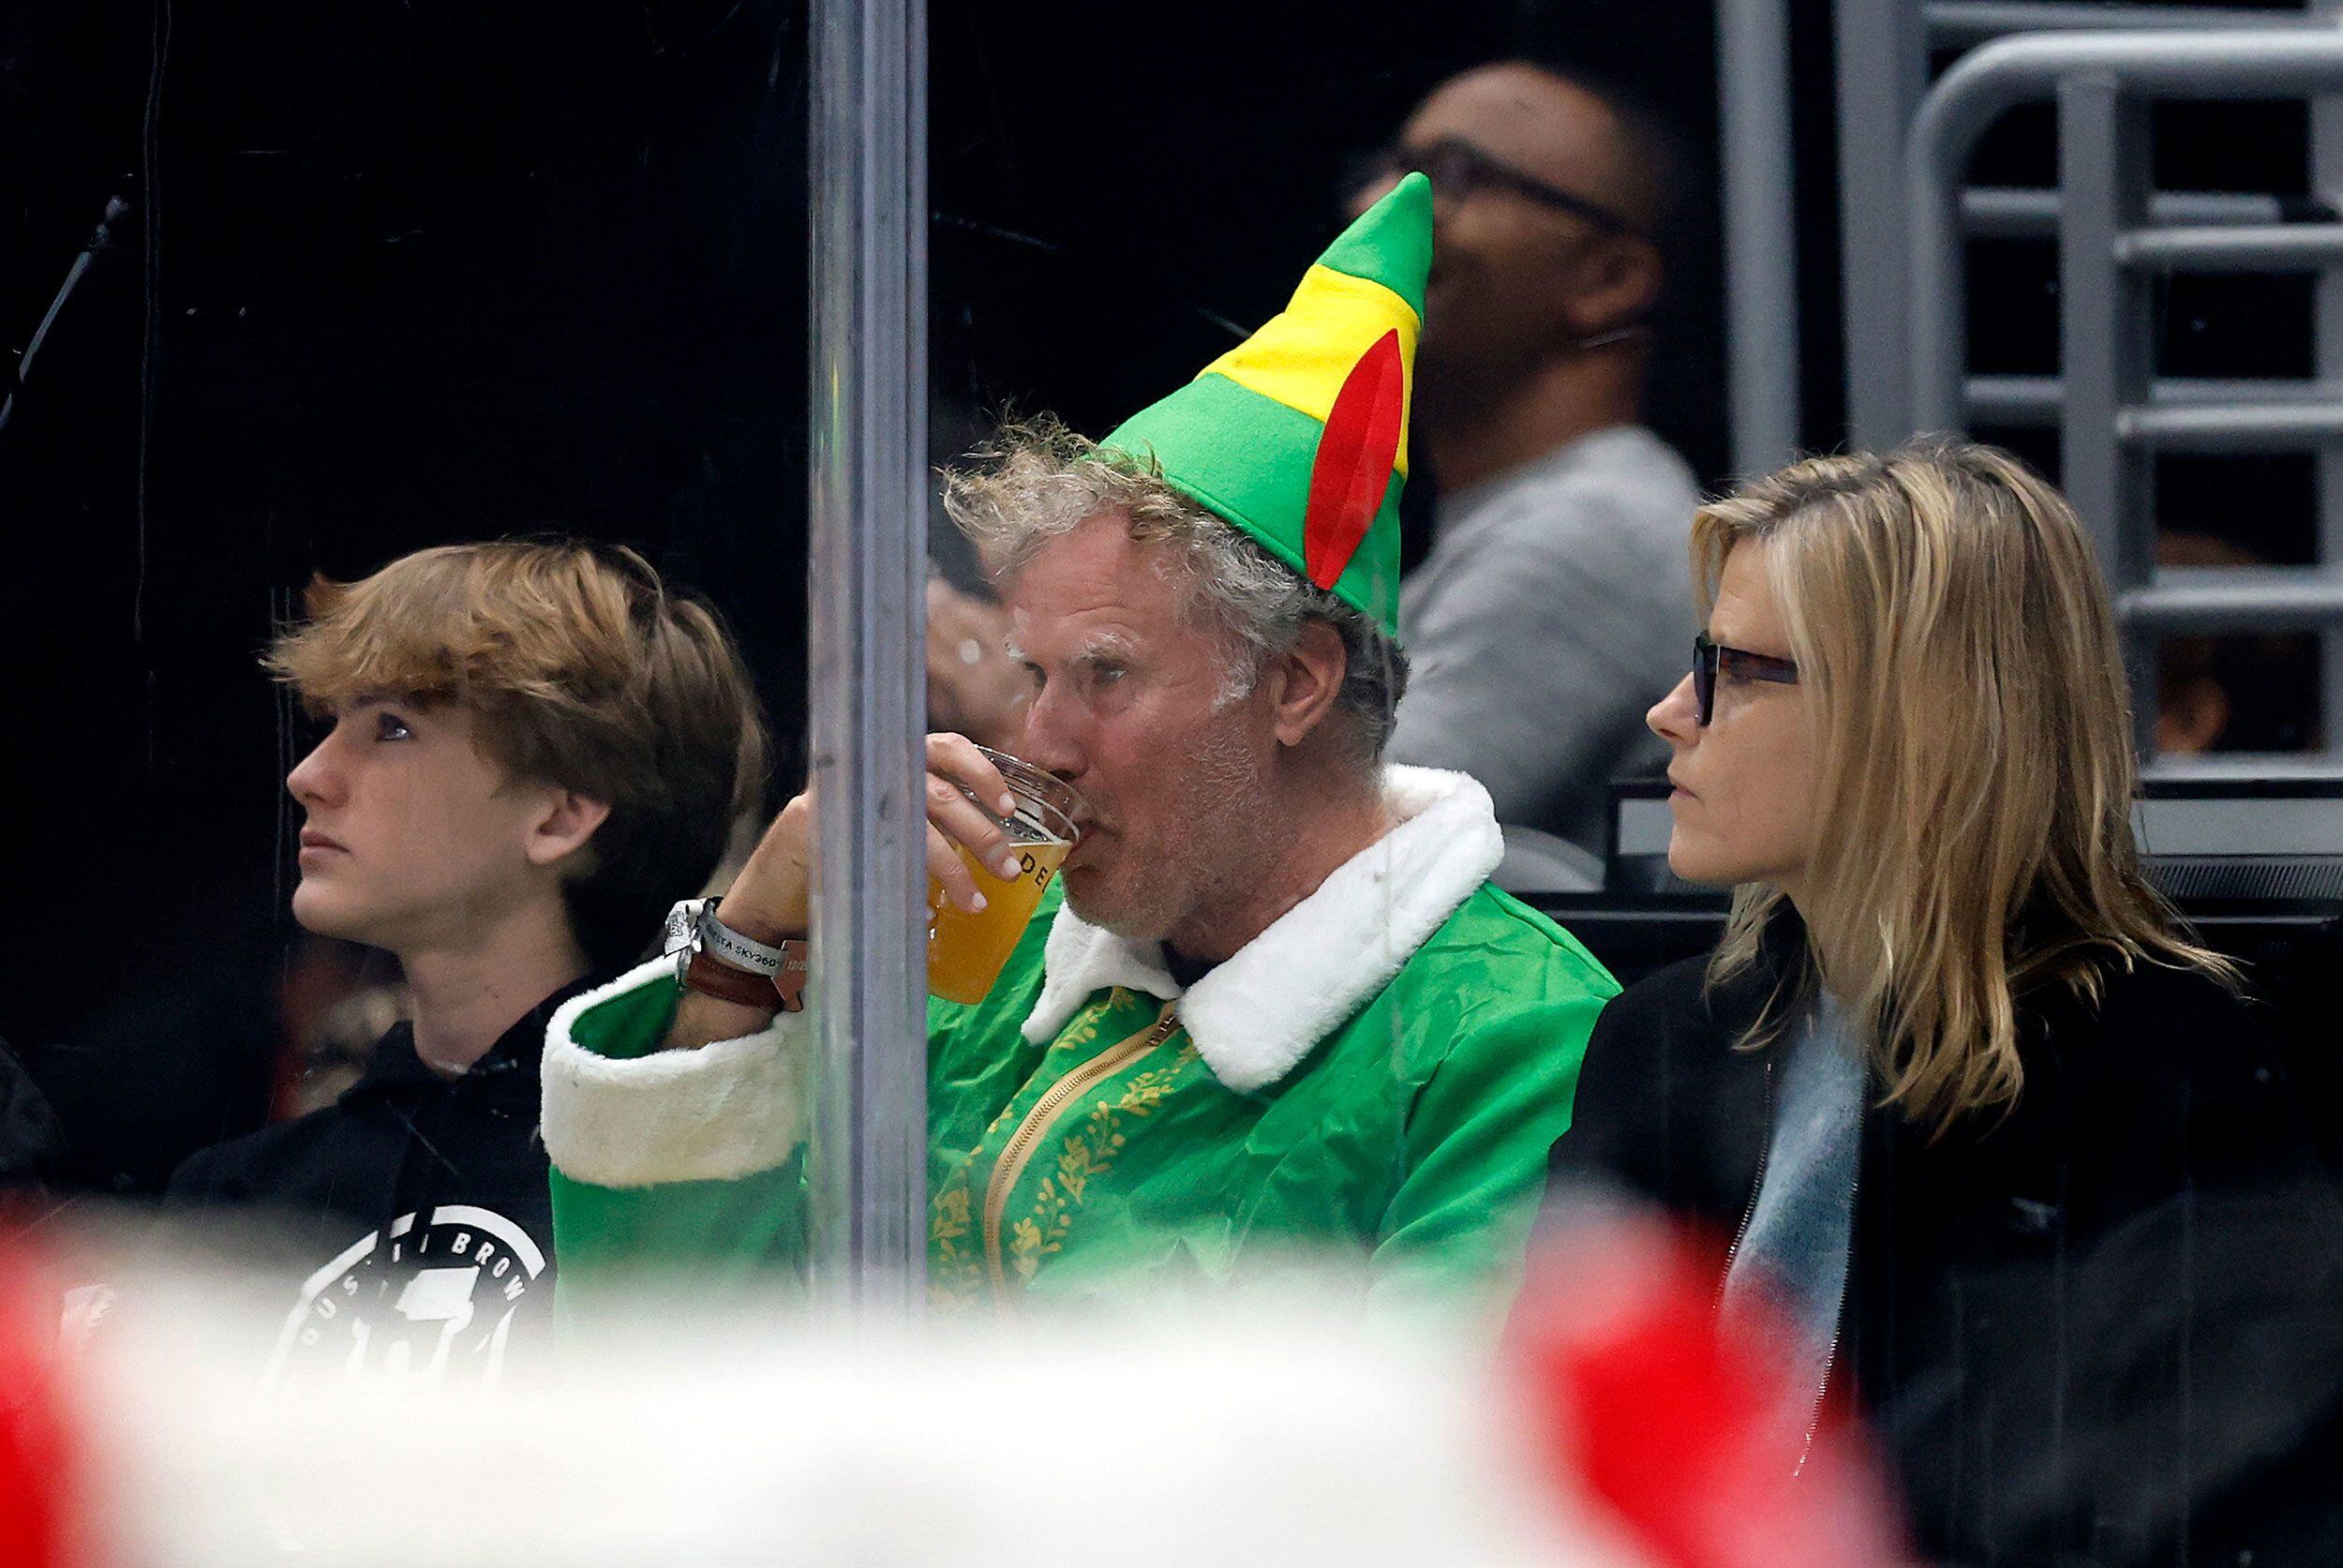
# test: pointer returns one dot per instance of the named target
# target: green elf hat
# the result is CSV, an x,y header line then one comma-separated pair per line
x,y
1299,435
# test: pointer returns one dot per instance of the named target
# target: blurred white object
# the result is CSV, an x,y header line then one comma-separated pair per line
x,y
1267,1434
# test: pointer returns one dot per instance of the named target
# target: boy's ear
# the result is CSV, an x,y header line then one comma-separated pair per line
x,y
569,821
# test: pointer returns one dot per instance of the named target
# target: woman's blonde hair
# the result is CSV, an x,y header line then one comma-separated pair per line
x,y
581,668
1975,774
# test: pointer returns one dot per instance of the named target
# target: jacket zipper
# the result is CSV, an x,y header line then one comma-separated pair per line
x,y
1838,1327
1018,1151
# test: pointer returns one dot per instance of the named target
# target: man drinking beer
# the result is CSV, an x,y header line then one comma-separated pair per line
x,y
1270,1001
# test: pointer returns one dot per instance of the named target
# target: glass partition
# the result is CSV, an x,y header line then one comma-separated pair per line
x,y
472,474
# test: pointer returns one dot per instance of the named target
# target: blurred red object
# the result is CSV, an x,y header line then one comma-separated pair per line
x,y
37,1470
1649,1408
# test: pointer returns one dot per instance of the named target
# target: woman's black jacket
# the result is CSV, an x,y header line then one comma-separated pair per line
x,y
2103,1327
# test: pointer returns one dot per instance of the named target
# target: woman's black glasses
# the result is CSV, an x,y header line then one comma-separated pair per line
x,y
1709,657
1457,169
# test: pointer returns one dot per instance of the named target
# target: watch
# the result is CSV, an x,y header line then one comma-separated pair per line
x,y
713,958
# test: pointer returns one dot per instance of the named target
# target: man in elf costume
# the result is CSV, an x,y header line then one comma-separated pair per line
x,y
1272,1002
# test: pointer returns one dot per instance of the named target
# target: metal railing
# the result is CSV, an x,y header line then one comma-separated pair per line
x,y
2113,411
1883,49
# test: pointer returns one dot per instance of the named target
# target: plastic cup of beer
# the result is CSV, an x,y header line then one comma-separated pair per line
x,y
966,951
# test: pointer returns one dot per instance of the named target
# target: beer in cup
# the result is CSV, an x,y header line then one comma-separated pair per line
x,y
966,951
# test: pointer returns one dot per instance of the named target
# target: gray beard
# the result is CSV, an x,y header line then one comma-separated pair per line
x,y
1225,842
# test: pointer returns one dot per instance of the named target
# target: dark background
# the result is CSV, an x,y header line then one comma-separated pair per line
x,y
400,274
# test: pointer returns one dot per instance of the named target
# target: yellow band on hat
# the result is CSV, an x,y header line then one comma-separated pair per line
x,y
1301,357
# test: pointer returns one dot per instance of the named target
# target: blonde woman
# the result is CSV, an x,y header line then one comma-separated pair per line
x,y
1956,1082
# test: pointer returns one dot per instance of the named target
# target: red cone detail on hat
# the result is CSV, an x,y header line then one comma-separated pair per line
x,y
1354,459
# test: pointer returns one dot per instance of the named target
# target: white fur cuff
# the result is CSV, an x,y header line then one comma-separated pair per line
x,y
726,1109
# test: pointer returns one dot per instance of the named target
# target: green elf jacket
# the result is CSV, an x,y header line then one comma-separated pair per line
x,y
1381,1071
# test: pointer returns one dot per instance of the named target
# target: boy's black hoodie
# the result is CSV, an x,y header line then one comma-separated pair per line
x,y
411,1218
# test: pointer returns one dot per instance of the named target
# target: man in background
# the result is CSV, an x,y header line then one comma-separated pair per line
x,y
1551,610
974,687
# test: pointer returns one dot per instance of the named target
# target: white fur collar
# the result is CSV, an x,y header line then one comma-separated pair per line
x,y
1255,1016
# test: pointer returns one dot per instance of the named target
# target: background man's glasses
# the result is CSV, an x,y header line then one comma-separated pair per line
x,y
1709,657
1457,169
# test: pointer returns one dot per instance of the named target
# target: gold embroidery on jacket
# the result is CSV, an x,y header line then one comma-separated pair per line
x,y
1085,1156
956,1272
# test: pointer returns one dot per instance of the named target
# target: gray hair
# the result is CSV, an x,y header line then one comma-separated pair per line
x,y
1036,481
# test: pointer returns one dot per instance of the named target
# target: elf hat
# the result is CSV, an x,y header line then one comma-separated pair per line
x,y
1299,435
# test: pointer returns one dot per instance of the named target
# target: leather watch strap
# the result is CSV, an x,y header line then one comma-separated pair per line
x,y
712,977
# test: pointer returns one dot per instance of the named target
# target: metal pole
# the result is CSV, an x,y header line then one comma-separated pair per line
x,y
868,228
2237,598
2270,424
2243,248
2326,182
2027,214
1958,23
2249,408
1760,230
1882,50
2105,347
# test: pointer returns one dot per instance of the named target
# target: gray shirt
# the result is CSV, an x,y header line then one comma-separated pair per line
x,y
1555,607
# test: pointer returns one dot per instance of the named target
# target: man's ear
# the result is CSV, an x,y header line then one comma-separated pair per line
x,y
1309,682
568,821
1617,283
